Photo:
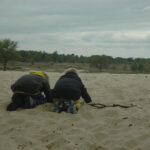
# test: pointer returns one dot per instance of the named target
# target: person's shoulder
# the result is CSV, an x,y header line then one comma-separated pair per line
x,y
45,81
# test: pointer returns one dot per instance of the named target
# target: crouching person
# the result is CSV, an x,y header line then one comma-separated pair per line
x,y
67,92
27,91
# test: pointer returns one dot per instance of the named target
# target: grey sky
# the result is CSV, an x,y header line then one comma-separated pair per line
x,y
84,27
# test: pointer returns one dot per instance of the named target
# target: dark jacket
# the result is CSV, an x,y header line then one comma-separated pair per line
x,y
70,86
32,85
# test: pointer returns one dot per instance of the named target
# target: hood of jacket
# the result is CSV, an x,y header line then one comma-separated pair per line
x,y
39,73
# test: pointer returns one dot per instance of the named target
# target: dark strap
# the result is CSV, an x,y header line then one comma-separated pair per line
x,y
99,105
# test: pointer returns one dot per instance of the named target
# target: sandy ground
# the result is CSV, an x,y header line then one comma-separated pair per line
x,y
91,129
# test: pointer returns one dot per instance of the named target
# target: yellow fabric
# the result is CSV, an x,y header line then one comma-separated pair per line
x,y
39,73
27,93
76,102
56,100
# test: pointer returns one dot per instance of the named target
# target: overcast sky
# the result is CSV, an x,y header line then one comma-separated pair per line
x,y
118,28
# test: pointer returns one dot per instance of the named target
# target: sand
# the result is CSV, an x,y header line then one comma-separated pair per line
x,y
91,129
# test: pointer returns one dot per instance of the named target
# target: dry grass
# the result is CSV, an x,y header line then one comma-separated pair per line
x,y
47,66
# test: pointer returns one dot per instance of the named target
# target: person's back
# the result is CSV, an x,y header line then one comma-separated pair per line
x,y
30,87
68,87
30,84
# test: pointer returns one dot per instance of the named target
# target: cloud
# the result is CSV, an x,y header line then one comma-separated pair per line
x,y
86,27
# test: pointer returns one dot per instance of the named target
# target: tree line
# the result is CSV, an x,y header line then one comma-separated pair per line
x,y
8,51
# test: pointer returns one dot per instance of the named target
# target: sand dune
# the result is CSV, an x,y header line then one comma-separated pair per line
x,y
91,129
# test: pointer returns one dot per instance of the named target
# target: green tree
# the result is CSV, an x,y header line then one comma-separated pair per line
x,y
141,67
134,66
101,62
54,56
7,52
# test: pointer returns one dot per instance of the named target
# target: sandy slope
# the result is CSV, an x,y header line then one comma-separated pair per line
x,y
90,129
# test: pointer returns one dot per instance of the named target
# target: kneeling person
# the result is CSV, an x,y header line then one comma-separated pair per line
x,y
69,88
27,91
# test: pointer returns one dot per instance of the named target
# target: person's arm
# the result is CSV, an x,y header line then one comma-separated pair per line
x,y
84,93
47,91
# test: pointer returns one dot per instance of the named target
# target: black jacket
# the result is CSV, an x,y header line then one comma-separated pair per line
x,y
70,86
31,85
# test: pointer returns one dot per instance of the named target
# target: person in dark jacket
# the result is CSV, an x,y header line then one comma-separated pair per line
x,y
27,91
70,87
